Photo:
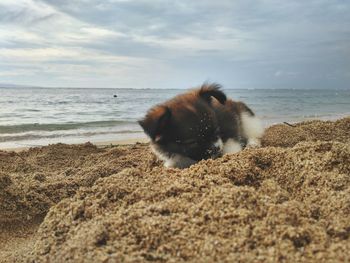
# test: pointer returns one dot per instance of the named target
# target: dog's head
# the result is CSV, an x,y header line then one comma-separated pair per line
x,y
187,124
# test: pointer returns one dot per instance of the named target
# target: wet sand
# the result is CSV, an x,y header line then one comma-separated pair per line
x,y
288,201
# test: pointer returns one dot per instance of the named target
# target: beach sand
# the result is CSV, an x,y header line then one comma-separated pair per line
x,y
288,201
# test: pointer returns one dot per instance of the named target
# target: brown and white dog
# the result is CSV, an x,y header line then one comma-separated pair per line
x,y
200,124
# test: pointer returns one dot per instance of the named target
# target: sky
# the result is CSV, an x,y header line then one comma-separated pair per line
x,y
175,43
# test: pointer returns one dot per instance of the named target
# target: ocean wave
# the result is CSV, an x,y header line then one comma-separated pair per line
x,y
10,129
36,136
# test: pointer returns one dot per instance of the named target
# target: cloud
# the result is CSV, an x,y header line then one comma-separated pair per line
x,y
242,43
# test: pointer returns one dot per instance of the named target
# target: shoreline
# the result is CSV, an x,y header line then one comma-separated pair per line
x,y
98,144
131,138
128,140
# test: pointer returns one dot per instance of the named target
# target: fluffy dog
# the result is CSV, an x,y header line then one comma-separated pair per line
x,y
200,124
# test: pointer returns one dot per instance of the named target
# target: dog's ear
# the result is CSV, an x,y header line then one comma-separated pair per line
x,y
207,91
155,122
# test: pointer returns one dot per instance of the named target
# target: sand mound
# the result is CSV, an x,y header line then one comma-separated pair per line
x,y
32,181
119,204
283,135
260,204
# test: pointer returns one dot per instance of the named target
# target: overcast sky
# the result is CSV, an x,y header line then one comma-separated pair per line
x,y
175,43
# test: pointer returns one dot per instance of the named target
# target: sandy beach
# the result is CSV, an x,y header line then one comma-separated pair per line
x,y
288,201
102,144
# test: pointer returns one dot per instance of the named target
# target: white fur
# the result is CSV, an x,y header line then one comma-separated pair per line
x,y
159,154
253,143
175,161
178,160
252,129
219,144
231,146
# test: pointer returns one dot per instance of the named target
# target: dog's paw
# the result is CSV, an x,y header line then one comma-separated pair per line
x,y
253,143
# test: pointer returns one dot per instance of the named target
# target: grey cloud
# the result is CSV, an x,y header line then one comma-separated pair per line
x,y
22,15
307,41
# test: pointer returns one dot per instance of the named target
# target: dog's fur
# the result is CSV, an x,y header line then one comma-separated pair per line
x,y
200,124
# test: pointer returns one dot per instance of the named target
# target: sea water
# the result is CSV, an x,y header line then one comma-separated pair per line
x,y
41,116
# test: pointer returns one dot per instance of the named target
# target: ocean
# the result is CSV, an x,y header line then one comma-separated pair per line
x,y
41,116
